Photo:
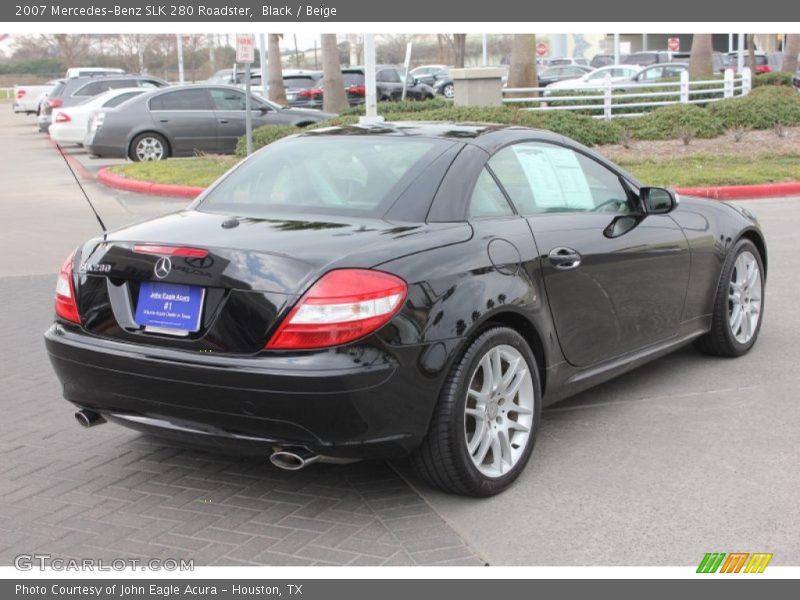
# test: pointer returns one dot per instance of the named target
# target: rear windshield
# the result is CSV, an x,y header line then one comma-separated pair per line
x,y
299,82
353,79
331,175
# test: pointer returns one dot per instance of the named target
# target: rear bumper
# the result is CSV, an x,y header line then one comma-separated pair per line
x,y
336,403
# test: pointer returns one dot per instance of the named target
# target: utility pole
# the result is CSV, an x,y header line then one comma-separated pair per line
x,y
179,41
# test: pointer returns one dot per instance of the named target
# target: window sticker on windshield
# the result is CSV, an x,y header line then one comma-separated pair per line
x,y
555,177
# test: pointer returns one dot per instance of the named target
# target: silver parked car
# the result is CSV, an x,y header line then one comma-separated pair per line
x,y
181,121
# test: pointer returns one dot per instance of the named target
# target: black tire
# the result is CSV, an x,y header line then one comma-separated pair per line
x,y
448,91
132,154
720,340
442,459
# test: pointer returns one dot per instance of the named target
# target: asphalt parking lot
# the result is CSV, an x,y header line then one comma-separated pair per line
x,y
684,456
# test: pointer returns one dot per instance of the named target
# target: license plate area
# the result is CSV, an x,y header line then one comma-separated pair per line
x,y
168,308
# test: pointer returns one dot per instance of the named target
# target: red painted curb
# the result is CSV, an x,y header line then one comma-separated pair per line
x,y
76,165
113,180
741,192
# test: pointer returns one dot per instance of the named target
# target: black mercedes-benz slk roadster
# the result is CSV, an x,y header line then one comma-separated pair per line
x,y
377,291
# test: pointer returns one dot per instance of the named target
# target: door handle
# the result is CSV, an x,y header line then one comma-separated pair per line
x,y
224,121
564,258
164,120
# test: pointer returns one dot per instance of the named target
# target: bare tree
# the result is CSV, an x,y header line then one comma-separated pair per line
x,y
334,97
701,61
133,47
71,49
522,72
790,52
457,45
277,91
751,52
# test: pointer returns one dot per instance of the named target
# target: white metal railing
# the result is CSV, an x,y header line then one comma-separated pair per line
x,y
608,102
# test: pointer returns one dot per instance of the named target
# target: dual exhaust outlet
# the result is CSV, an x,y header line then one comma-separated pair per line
x,y
288,460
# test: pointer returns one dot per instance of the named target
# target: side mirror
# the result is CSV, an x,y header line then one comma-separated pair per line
x,y
657,201
263,109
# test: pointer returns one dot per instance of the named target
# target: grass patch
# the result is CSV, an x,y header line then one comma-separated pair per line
x,y
705,170
689,171
200,171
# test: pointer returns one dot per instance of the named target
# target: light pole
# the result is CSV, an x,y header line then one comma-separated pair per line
x,y
179,41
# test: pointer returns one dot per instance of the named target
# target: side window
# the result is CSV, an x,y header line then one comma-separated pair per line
x,y
544,178
150,84
117,100
225,99
196,99
487,199
389,76
92,89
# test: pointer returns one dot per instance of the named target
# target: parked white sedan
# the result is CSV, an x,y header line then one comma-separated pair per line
x,y
597,78
69,125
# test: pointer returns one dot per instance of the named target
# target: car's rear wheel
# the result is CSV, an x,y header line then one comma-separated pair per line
x,y
738,304
485,423
148,147
449,91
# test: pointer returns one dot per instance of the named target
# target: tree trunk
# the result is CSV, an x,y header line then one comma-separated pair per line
x,y
459,49
790,52
522,72
334,97
277,92
701,62
751,52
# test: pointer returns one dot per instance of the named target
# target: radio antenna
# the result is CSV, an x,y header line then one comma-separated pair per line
x,y
78,181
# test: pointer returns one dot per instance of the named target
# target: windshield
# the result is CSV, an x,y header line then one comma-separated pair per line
x,y
360,175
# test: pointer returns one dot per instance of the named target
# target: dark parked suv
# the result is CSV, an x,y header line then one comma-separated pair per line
x,y
76,90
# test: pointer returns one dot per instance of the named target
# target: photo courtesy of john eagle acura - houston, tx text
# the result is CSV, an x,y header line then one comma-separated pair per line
x,y
406,289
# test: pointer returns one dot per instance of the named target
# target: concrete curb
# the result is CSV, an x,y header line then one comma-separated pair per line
x,y
732,192
113,180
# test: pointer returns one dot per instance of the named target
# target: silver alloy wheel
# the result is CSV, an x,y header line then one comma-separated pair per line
x,y
149,148
744,297
498,417
449,91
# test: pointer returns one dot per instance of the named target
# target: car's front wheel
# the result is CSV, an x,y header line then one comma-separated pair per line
x,y
485,423
147,147
449,91
738,304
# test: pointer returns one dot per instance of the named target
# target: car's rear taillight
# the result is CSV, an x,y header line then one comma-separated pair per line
x,y
66,306
63,118
310,93
342,306
20,94
170,250
357,90
55,102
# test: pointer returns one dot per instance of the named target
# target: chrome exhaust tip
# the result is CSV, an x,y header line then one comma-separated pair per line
x,y
89,418
293,461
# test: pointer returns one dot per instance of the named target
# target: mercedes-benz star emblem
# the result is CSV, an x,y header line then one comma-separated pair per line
x,y
163,267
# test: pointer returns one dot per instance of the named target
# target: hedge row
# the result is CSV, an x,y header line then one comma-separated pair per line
x,y
763,108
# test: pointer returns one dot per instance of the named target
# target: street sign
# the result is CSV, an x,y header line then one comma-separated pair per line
x,y
245,48
541,49
674,44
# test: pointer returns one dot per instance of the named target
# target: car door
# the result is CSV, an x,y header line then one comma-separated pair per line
x,y
230,113
389,83
187,118
615,279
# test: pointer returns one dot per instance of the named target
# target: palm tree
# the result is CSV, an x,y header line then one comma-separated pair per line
x,y
277,91
522,72
334,97
790,52
701,61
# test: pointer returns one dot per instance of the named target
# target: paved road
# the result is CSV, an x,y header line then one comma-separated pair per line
x,y
112,493
684,456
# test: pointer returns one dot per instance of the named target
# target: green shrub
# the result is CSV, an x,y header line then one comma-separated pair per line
x,y
773,78
763,108
408,106
676,121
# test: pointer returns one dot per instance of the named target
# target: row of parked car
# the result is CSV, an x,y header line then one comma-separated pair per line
x,y
116,114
